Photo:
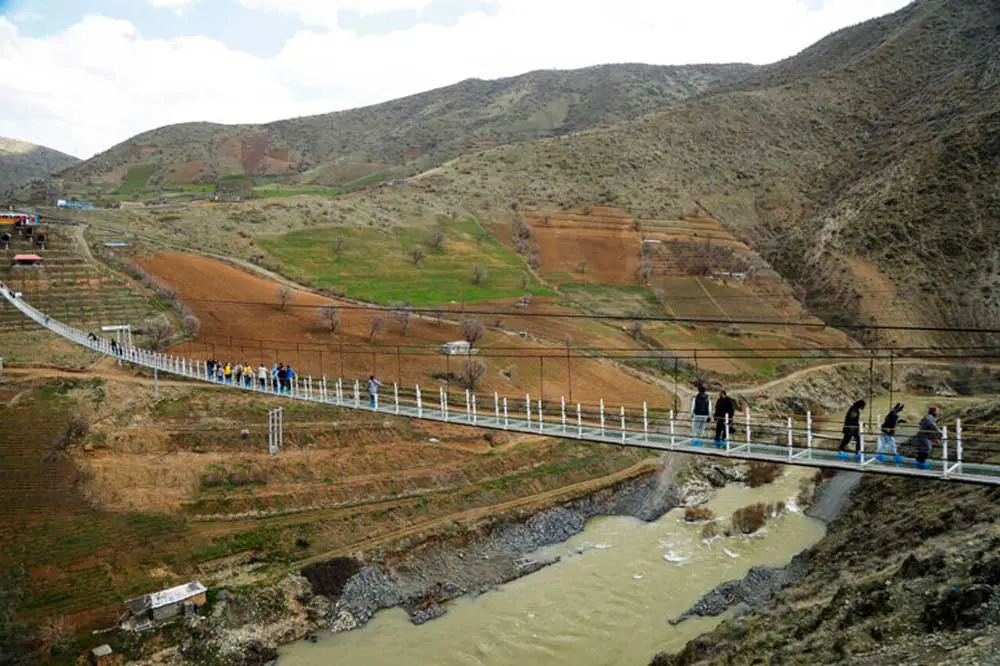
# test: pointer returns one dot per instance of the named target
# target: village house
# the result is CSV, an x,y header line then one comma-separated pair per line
x,y
143,612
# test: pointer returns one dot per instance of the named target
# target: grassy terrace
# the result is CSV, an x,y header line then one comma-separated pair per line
x,y
378,266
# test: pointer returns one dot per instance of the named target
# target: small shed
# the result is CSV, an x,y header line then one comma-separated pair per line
x,y
26,260
457,347
102,656
165,605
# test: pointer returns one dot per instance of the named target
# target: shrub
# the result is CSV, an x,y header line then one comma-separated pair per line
x,y
710,530
696,514
762,473
159,331
479,274
437,240
282,298
472,331
805,496
472,373
751,518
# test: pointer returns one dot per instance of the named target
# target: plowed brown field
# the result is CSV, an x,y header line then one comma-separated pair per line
x,y
240,323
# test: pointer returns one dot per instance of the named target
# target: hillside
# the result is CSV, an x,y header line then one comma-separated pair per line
x,y
863,169
22,162
406,135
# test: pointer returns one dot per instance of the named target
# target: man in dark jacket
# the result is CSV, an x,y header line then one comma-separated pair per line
x,y
887,438
701,410
852,427
725,410
928,433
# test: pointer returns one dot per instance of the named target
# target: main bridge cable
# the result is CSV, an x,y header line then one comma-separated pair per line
x,y
623,317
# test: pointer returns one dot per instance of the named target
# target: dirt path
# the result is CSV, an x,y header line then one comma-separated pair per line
x,y
471,515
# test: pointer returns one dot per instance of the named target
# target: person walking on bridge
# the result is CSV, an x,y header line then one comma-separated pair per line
x,y
725,410
852,427
373,387
262,375
887,438
701,409
928,433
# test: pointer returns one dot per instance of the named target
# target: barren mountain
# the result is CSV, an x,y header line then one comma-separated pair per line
x,y
865,169
409,134
22,162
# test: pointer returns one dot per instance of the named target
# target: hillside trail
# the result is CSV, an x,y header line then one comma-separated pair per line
x,y
532,502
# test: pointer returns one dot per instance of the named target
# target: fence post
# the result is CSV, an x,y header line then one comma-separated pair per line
x,y
496,406
727,433
357,395
645,423
621,411
527,407
468,407
579,422
944,449
958,444
790,456
395,395
747,416
444,396
562,404
541,418
602,417
475,417
673,441
809,432
505,412
861,443
420,404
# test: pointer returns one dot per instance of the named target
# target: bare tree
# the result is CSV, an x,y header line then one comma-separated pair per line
x,y
159,331
191,325
472,373
283,297
404,313
417,255
645,269
338,246
375,325
437,240
635,330
546,219
479,274
581,266
472,331
329,315
525,279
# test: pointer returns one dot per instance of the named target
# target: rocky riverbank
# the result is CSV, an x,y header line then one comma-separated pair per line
x,y
246,626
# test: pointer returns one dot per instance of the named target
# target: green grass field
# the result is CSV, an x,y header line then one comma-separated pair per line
x,y
136,179
377,266
278,190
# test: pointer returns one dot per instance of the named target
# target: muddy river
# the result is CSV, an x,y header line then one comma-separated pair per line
x,y
605,603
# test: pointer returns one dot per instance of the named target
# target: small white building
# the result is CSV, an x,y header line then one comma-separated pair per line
x,y
456,348
148,609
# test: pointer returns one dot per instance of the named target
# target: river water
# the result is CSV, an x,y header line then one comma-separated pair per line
x,y
606,603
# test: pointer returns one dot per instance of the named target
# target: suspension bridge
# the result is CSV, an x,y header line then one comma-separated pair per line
x,y
749,436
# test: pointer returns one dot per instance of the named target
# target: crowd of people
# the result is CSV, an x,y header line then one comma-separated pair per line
x,y
928,432
279,377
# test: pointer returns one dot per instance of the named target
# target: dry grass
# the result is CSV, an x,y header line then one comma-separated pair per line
x,y
763,473
697,514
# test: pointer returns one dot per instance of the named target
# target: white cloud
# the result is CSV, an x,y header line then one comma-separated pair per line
x,y
176,5
101,81
324,12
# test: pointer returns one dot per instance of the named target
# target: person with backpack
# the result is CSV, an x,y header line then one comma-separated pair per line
x,y
725,410
701,410
928,433
852,427
887,438
282,378
373,387
290,376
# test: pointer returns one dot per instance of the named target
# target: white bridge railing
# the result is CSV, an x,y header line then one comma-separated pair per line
x,y
746,439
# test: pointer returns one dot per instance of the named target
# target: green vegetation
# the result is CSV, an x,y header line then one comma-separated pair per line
x,y
611,299
380,267
278,190
136,179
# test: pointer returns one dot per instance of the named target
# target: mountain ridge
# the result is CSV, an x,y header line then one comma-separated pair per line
x,y
22,162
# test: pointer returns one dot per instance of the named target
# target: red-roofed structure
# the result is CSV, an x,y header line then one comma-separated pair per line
x,y
26,260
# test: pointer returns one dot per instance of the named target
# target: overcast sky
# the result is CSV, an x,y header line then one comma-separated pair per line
x,y
82,75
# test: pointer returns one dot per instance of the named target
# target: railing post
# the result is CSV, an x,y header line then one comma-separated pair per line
x,y
420,404
468,407
602,417
790,456
579,422
645,423
958,444
357,395
809,431
395,395
621,411
527,407
505,412
727,433
861,443
444,395
496,406
944,449
441,401
541,417
475,417
562,404
673,441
